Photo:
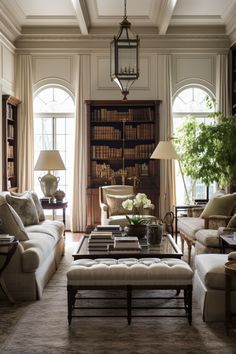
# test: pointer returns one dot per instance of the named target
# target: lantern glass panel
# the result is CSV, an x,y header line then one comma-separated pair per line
x,y
127,59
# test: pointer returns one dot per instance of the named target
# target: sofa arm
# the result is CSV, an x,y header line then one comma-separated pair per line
x,y
30,259
216,221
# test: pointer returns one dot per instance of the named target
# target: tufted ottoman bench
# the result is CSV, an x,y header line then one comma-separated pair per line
x,y
130,274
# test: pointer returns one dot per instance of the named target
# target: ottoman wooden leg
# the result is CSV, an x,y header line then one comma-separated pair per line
x,y
129,304
188,303
71,293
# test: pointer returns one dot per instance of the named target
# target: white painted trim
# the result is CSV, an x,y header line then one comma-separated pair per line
x,y
49,82
7,43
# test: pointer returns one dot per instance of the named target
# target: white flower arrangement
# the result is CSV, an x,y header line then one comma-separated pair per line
x,y
136,206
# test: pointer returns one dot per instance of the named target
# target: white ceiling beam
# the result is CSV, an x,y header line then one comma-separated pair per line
x,y
82,15
165,14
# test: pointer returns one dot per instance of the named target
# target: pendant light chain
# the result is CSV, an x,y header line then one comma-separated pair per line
x,y
125,9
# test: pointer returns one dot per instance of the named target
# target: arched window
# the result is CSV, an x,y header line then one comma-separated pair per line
x,y
54,125
191,101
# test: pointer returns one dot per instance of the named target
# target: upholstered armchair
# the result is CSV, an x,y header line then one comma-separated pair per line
x,y
111,198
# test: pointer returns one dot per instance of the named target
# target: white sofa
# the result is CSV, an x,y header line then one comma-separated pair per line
x,y
209,285
40,248
201,228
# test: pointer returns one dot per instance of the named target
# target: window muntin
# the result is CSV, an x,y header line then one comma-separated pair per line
x,y
54,126
190,101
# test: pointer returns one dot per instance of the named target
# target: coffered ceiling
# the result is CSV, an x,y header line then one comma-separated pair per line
x,y
90,16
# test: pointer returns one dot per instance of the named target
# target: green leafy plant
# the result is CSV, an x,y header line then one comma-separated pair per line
x,y
208,151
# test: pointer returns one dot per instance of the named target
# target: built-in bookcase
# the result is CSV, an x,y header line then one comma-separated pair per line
x,y
233,78
9,142
121,138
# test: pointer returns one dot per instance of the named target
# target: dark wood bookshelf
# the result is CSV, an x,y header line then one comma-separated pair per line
x,y
121,138
9,142
233,78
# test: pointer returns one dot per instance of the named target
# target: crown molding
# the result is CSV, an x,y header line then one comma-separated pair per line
x,y
9,25
8,44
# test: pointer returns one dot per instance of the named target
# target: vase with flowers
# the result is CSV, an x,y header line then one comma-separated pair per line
x,y
137,223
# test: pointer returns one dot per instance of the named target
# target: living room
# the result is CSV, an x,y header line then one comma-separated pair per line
x,y
55,60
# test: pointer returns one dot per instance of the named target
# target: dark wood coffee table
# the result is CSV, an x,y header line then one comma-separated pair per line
x,y
167,249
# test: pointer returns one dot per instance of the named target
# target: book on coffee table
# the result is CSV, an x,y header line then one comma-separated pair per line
x,y
113,249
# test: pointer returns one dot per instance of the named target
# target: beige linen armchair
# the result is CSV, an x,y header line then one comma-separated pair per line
x,y
110,200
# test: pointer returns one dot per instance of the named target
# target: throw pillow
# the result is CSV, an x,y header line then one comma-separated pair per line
x,y
25,208
11,223
232,222
115,204
38,206
220,205
36,200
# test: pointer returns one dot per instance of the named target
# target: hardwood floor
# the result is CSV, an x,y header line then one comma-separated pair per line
x,y
73,236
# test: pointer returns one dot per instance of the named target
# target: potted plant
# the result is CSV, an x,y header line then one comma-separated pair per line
x,y
208,151
137,224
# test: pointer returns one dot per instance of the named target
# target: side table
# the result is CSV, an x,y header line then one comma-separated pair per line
x,y
7,250
227,241
56,205
230,273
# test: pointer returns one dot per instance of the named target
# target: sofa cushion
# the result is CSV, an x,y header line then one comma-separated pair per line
x,y
189,226
36,200
37,249
220,205
42,239
10,222
114,203
208,237
53,228
232,222
211,271
25,208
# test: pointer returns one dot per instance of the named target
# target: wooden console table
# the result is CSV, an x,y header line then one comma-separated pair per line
x,y
54,206
8,250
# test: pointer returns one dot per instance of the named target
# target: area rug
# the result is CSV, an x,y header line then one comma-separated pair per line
x,y
41,327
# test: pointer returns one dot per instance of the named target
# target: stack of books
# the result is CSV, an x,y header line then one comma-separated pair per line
x,y
99,240
5,238
125,244
115,229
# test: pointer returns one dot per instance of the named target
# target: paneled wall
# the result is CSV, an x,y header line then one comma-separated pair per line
x,y
186,69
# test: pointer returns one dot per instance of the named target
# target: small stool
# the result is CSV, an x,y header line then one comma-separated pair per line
x,y
131,274
230,273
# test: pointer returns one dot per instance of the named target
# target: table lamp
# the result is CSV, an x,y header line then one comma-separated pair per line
x,y
49,160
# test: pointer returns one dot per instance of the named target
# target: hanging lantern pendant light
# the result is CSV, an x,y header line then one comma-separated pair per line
x,y
125,56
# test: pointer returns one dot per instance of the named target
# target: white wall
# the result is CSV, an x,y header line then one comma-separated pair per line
x,y
186,69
